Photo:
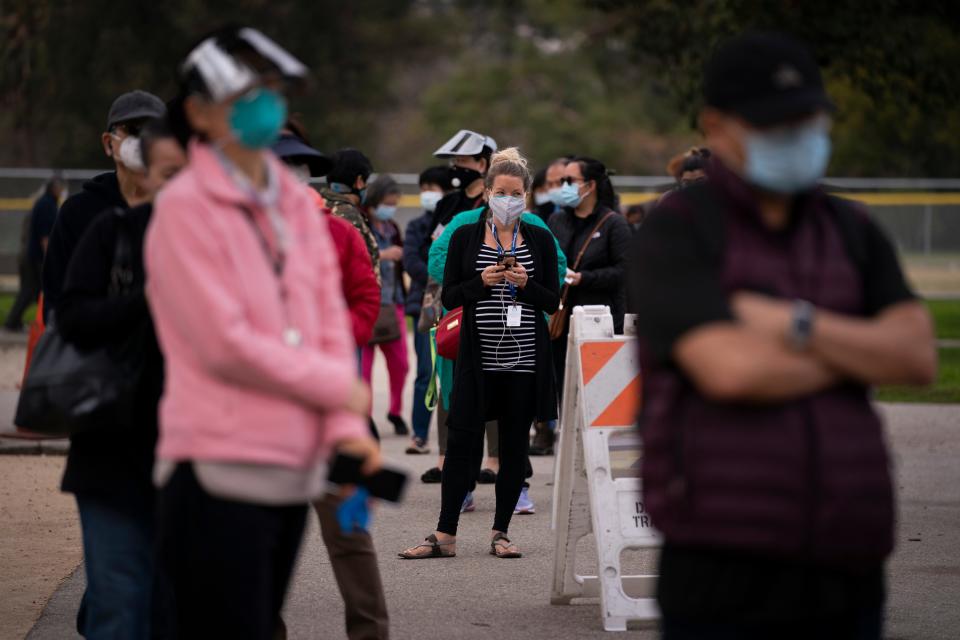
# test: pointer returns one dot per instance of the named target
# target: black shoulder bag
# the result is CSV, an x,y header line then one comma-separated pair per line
x,y
71,390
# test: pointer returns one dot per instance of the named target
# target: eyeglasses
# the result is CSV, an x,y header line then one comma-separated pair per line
x,y
569,180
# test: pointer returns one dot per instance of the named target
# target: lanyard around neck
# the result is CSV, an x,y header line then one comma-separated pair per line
x,y
513,251
292,336
277,260
496,238
266,200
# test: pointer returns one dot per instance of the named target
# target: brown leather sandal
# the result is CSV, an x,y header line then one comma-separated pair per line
x,y
436,549
500,547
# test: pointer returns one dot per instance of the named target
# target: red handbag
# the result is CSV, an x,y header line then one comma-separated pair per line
x,y
448,334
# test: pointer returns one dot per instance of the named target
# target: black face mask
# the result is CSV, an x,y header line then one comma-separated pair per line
x,y
461,177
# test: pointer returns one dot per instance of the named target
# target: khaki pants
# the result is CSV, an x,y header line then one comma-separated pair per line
x,y
354,563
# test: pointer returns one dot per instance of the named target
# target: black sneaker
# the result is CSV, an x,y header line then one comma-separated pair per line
x,y
432,476
487,476
399,426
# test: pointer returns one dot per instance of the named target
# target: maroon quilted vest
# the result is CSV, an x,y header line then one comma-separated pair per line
x,y
807,479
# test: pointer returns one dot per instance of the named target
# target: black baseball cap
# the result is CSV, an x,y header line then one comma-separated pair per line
x,y
291,148
765,78
135,105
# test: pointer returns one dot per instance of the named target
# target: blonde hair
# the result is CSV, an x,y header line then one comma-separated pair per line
x,y
509,162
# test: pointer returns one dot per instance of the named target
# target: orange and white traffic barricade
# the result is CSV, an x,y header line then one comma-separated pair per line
x,y
596,478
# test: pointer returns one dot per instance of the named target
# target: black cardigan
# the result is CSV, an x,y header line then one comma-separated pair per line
x,y
463,287
118,458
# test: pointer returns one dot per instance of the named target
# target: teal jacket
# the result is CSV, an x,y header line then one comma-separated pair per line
x,y
438,260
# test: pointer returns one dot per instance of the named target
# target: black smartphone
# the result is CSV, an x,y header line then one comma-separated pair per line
x,y
387,484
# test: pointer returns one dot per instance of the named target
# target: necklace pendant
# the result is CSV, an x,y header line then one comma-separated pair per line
x,y
292,337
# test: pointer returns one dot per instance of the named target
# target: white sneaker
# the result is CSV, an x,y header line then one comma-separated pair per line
x,y
525,506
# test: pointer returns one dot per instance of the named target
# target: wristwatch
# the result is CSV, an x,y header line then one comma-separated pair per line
x,y
801,324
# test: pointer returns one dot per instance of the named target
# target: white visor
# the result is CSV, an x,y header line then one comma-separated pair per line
x,y
224,76
289,66
465,143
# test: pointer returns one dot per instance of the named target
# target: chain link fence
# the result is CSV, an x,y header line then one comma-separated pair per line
x,y
922,216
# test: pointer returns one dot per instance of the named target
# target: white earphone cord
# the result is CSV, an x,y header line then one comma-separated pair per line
x,y
503,303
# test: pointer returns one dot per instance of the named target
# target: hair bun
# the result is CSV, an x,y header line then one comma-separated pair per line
x,y
508,155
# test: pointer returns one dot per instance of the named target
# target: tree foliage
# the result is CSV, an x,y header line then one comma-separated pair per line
x,y
616,79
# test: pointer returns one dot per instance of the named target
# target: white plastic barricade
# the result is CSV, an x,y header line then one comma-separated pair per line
x,y
596,484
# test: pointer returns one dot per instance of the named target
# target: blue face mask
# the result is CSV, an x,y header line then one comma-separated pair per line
x,y
257,117
788,161
568,195
554,196
429,200
385,212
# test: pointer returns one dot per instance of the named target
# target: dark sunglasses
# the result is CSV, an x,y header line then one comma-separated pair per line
x,y
569,180
130,128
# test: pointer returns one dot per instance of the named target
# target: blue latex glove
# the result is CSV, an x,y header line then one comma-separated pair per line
x,y
353,514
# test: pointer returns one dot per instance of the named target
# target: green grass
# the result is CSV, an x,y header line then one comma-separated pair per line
x,y
945,390
6,301
946,317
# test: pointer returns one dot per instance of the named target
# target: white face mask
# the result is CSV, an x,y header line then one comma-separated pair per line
x,y
507,209
429,200
129,154
301,171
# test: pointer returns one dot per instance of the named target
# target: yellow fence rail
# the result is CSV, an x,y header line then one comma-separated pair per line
x,y
883,199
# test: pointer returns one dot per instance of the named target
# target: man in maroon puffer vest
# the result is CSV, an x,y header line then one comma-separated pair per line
x,y
767,311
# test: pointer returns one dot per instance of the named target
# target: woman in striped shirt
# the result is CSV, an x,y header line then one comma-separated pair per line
x,y
502,271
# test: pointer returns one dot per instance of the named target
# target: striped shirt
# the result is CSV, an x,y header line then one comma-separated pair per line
x,y
504,348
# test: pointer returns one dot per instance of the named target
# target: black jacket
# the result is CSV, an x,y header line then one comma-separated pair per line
x,y
603,265
416,251
76,214
451,204
42,217
463,287
117,458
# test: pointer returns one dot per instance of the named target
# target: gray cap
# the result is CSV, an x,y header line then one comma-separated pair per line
x,y
465,143
134,106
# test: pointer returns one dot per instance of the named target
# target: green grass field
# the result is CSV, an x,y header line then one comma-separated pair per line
x,y
945,390
6,301
946,316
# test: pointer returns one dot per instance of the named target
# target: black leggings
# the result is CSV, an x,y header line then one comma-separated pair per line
x,y
511,401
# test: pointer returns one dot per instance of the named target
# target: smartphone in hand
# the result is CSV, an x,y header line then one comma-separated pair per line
x,y
387,484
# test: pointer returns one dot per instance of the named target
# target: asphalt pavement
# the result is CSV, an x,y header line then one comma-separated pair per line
x,y
476,596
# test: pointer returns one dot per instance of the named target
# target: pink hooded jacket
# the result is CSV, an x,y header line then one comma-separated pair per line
x,y
235,392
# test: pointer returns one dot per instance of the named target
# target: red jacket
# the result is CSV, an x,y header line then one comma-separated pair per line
x,y
359,283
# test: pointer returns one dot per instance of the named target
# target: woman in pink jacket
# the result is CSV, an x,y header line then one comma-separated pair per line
x,y
244,287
